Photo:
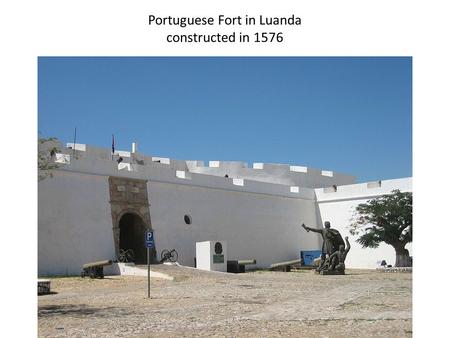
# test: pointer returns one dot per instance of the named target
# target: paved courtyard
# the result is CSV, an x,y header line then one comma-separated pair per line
x,y
262,303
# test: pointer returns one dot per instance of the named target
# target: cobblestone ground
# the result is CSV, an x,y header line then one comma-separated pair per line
x,y
261,303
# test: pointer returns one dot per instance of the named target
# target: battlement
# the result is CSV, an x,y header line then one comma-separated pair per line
x,y
292,175
235,174
273,168
362,190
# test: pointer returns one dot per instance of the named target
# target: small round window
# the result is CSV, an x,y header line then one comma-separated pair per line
x,y
187,219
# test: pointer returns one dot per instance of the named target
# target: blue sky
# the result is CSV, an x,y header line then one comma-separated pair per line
x,y
350,115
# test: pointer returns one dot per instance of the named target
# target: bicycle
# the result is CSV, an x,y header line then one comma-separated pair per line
x,y
169,256
126,256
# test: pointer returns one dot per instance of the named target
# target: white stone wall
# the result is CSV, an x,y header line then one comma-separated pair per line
x,y
74,222
338,208
259,220
258,226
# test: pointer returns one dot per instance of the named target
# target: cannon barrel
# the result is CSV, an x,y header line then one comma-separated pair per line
x,y
246,261
238,266
285,266
97,264
276,265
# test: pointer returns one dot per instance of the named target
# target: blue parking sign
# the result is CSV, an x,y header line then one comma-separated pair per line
x,y
149,239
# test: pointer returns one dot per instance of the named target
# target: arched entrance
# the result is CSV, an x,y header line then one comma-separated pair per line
x,y
132,236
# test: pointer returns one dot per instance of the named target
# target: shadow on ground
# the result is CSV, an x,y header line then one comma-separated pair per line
x,y
48,293
79,311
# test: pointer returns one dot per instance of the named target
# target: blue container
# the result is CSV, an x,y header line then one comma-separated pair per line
x,y
309,256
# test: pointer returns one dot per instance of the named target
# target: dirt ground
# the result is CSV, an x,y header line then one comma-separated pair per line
x,y
362,303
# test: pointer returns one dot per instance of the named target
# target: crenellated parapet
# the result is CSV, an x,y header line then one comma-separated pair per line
x,y
362,191
268,178
292,175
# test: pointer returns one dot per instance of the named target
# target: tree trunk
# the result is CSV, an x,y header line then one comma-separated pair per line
x,y
402,257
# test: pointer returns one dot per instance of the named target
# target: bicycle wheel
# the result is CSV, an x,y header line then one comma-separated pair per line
x,y
121,258
130,255
165,254
173,256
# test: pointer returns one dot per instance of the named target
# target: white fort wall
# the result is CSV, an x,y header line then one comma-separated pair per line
x,y
258,219
338,208
74,222
255,226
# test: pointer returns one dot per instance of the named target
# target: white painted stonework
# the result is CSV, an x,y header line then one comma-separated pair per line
x,y
256,210
74,222
205,252
130,269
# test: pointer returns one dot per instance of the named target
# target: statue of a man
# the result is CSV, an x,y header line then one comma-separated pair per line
x,y
332,239
337,259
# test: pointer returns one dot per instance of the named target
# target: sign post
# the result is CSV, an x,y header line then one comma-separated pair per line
x,y
150,244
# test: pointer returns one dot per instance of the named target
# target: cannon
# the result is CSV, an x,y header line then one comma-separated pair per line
x,y
238,266
94,269
285,266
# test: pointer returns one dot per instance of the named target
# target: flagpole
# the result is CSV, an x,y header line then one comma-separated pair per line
x,y
74,142
112,148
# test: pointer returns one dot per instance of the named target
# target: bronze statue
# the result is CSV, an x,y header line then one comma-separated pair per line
x,y
333,250
331,238
337,258
324,263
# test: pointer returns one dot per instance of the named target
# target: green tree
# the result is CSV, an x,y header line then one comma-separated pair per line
x,y
387,219
46,155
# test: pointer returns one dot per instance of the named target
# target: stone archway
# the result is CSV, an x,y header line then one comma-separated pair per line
x,y
131,236
130,215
